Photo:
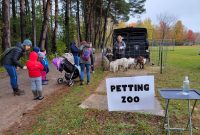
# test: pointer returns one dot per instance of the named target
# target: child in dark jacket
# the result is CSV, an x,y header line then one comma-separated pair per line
x,y
41,56
34,69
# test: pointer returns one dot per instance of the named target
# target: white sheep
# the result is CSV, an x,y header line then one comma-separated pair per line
x,y
113,66
131,62
123,62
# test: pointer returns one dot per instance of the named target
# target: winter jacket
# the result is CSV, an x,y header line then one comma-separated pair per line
x,y
12,58
34,67
74,49
46,68
120,47
81,51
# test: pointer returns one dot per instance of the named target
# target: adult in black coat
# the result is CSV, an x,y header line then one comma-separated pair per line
x,y
11,62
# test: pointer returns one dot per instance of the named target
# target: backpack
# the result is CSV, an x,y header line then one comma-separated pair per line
x,y
86,53
5,53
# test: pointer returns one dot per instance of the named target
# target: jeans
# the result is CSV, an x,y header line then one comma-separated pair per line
x,y
87,71
76,60
36,84
13,75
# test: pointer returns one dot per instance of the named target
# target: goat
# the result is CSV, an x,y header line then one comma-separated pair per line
x,y
140,60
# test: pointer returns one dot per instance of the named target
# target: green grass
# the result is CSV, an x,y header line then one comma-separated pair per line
x,y
65,117
2,69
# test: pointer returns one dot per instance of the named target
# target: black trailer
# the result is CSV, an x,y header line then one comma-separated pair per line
x,y
136,41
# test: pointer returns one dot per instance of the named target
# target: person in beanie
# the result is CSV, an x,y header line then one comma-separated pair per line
x,y
10,62
41,56
36,49
85,60
34,69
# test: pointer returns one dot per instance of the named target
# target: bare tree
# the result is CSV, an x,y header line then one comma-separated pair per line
x,y
6,24
166,22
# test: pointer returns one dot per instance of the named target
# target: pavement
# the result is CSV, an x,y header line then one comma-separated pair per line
x,y
98,100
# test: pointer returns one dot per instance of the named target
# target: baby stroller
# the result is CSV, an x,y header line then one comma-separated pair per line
x,y
66,64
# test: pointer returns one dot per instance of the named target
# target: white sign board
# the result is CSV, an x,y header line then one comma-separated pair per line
x,y
130,93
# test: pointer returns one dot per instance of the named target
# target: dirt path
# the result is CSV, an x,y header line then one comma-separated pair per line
x,y
13,108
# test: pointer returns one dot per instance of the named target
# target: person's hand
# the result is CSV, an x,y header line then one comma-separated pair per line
x,y
24,67
17,68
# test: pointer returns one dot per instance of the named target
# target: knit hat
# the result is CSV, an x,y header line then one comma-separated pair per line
x,y
41,55
36,49
27,42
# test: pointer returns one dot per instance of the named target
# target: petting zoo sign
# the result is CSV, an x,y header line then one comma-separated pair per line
x,y
130,93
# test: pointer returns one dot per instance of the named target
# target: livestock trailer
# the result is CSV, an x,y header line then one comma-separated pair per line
x,y
136,41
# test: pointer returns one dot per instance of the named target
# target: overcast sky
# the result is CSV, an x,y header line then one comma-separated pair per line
x,y
188,11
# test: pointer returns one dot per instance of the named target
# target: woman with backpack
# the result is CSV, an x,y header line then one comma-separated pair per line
x,y
85,60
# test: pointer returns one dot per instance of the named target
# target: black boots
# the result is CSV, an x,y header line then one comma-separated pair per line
x,y
81,82
18,92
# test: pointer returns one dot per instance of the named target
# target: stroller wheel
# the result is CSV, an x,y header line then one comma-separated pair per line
x,y
60,80
71,83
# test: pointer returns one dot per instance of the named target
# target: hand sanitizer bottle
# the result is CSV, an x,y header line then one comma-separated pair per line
x,y
186,86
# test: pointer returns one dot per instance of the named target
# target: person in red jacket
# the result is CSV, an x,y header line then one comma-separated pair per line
x,y
34,69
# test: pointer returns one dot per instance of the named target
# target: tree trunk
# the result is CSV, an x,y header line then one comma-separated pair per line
x,y
14,18
33,23
22,19
78,23
45,26
44,6
51,16
6,24
27,18
105,23
111,31
1,10
67,23
54,49
99,30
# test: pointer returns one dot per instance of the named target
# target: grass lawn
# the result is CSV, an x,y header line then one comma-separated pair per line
x,y
65,117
